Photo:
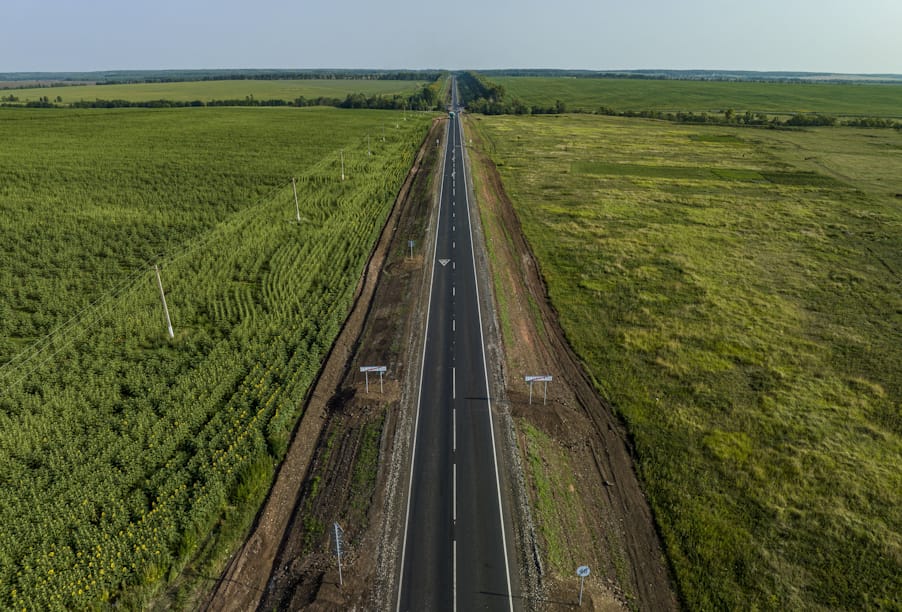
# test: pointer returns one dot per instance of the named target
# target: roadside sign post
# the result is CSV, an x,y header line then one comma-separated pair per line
x,y
366,373
582,571
542,379
338,532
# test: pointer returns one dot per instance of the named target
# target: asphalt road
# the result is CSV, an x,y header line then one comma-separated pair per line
x,y
454,555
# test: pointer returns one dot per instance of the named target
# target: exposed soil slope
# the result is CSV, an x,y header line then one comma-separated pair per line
x,y
586,500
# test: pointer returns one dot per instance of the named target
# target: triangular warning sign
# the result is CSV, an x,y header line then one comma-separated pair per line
x,y
444,262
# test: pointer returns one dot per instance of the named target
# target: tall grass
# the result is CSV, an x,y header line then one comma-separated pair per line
x,y
707,96
736,295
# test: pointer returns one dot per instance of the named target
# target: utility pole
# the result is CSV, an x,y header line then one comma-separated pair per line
x,y
297,208
163,298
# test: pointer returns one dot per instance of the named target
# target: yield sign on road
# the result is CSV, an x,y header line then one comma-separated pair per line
x,y
444,262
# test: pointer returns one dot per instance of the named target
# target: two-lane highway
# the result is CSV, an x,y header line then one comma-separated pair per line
x,y
454,554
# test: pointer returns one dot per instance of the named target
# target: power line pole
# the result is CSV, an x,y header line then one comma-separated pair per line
x,y
163,299
297,208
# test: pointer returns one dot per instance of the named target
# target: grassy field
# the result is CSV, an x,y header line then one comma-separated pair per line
x,y
707,96
219,90
737,295
122,451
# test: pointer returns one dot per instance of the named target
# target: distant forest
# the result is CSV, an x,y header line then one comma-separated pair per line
x,y
703,75
119,77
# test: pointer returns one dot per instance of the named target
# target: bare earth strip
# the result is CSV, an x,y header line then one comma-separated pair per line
x,y
587,504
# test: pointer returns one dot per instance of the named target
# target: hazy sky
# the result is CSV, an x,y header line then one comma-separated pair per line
x,y
863,36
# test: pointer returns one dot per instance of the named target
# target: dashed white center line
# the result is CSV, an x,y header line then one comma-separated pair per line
x,y
453,383
454,442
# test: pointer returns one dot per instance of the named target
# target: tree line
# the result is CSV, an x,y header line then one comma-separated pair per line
x,y
426,98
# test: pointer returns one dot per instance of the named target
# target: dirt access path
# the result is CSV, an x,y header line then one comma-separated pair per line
x,y
586,506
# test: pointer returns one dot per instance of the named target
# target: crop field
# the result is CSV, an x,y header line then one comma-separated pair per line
x,y
219,90
589,95
737,295
121,450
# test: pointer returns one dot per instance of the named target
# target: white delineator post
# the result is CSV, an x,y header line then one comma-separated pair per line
x,y
342,154
163,299
338,533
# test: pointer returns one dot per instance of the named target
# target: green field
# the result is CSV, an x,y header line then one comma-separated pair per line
x,y
737,295
707,96
121,451
219,90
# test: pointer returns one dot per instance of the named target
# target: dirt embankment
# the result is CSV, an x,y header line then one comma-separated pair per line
x,y
336,469
586,504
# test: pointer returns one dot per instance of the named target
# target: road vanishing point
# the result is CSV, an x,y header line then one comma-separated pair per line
x,y
455,549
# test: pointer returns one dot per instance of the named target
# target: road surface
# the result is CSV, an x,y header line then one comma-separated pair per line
x,y
455,541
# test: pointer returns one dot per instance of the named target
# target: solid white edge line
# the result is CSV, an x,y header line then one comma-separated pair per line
x,y
510,595
413,454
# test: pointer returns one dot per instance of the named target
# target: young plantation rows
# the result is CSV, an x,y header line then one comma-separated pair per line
x,y
121,450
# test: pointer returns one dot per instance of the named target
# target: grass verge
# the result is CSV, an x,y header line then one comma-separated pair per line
x,y
748,330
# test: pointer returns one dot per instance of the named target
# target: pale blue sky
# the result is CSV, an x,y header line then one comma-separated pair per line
x,y
860,36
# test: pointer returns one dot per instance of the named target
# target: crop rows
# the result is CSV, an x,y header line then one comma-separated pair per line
x,y
120,453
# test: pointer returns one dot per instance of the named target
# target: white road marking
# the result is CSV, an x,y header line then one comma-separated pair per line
x,y
454,444
453,383
454,581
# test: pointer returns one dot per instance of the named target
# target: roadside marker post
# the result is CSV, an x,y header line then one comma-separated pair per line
x,y
338,534
410,244
366,372
582,571
542,379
